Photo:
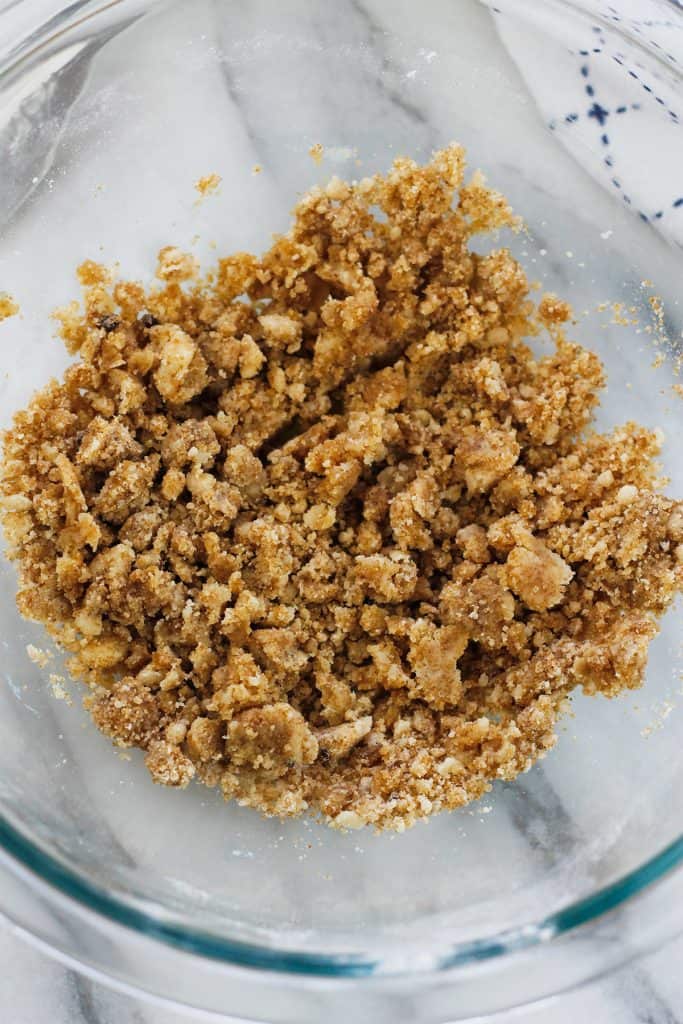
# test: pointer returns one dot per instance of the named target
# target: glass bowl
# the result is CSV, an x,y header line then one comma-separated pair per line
x,y
109,112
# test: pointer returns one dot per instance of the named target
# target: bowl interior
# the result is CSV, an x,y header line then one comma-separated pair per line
x,y
107,127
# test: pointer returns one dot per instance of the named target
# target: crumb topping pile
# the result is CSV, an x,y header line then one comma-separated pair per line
x,y
320,529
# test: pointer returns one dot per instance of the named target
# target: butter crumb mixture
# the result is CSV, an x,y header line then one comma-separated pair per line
x,y
207,184
320,529
8,306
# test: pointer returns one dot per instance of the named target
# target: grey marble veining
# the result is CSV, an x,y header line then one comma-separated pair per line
x,y
37,990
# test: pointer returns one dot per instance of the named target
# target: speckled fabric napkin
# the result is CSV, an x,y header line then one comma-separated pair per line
x,y
613,98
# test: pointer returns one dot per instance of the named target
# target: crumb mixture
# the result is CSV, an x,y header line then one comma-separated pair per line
x,y
8,307
208,184
316,152
320,529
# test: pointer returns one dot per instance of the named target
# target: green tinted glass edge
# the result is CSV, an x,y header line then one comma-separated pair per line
x,y
242,954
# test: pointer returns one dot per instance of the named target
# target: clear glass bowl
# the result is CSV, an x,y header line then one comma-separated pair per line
x,y
109,112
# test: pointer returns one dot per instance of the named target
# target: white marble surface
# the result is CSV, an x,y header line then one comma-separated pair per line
x,y
34,989
37,990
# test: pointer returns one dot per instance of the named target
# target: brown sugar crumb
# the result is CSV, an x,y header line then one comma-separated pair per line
x,y
38,656
57,686
207,184
316,152
168,764
8,306
552,310
320,529
537,575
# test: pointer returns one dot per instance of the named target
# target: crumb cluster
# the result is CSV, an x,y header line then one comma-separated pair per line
x,y
208,184
316,152
8,306
320,529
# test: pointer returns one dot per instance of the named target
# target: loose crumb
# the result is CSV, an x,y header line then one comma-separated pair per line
x,y
661,713
8,306
208,184
317,152
59,692
38,656
320,530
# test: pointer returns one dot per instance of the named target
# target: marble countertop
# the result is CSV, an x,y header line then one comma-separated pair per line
x,y
34,989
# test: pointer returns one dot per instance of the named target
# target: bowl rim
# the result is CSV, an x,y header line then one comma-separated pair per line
x,y
68,883
237,953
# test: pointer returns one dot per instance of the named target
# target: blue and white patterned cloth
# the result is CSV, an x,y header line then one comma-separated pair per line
x,y
611,102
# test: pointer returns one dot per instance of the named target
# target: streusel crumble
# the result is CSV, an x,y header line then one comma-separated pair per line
x,y
320,529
